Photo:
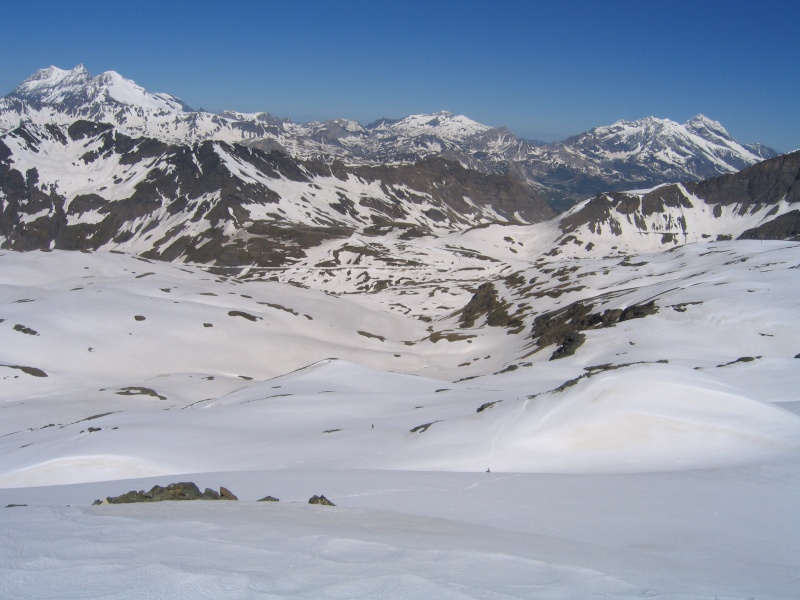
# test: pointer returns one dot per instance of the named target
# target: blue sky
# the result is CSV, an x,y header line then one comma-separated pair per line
x,y
545,69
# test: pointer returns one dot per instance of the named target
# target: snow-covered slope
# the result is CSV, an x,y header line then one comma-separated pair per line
x,y
657,458
690,535
123,338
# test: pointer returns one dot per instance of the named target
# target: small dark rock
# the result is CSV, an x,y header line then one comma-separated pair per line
x,y
320,500
139,391
33,371
422,428
244,315
268,499
14,505
175,491
25,330
569,344
565,326
743,359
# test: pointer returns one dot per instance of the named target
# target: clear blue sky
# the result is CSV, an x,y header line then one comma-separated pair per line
x,y
545,69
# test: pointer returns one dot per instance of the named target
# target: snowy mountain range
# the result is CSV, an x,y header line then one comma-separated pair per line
x,y
625,155
503,402
87,186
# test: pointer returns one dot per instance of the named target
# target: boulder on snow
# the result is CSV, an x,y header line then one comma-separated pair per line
x,y
268,499
227,494
320,500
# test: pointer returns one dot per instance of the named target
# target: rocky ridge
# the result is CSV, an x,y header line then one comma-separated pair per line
x,y
88,186
760,202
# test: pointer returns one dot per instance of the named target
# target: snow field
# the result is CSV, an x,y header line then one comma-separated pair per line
x,y
724,533
642,479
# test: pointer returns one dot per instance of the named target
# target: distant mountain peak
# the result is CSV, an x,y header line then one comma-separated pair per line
x,y
77,91
53,74
443,124
707,128
649,122
45,85
701,119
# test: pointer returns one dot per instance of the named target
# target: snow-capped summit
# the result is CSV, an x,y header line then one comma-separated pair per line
x,y
58,96
705,127
669,142
443,124
124,91
641,154
49,86
77,91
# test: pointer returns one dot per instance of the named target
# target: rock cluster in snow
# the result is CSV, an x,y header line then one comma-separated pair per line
x,y
174,491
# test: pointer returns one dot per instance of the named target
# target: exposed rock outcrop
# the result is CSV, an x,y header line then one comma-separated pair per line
x,y
564,327
486,301
320,500
175,491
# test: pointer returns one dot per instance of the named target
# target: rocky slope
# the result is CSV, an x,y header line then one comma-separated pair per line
x,y
760,202
88,186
